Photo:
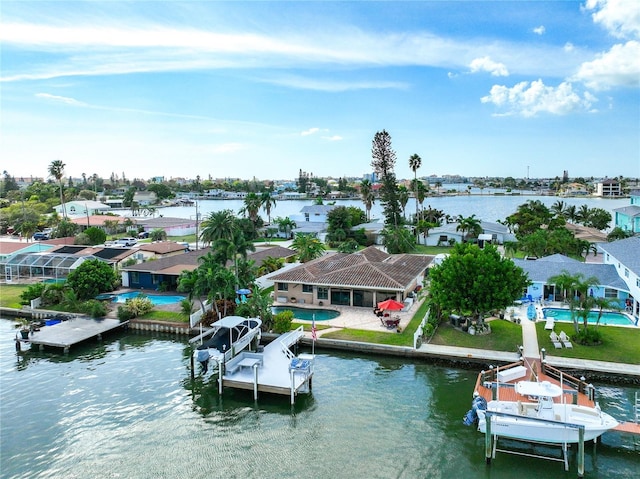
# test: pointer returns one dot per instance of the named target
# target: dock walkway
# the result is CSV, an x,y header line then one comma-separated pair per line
x,y
73,331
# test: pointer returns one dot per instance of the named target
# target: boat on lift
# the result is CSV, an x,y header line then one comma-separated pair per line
x,y
536,411
229,336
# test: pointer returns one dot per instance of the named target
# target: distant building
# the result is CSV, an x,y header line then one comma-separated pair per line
x,y
609,188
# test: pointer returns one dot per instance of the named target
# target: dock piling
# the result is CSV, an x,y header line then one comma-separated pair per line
x,y
487,440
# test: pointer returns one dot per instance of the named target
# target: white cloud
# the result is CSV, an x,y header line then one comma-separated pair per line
x,y
529,99
60,99
310,131
488,65
620,66
539,30
332,138
302,83
568,47
620,17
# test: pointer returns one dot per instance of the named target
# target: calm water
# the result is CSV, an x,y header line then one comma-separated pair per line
x,y
127,408
485,207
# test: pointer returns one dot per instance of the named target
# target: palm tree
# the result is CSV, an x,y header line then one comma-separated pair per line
x,y
285,225
56,170
575,288
219,224
570,213
582,215
270,264
420,191
415,162
471,226
267,201
559,208
368,197
252,203
308,247
403,198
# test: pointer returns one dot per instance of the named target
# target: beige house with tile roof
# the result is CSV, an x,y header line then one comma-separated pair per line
x,y
360,279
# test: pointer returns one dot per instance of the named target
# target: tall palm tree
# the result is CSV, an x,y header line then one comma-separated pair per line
x,y
267,201
583,214
559,208
56,170
219,224
368,196
415,162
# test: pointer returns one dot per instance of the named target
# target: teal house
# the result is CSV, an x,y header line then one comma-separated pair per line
x,y
628,217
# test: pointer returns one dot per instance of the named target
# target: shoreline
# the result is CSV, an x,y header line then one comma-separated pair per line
x,y
464,358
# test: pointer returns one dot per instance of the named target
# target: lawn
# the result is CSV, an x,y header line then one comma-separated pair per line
x,y
168,316
505,336
10,295
619,345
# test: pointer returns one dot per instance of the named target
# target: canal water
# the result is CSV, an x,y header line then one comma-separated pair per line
x,y
127,408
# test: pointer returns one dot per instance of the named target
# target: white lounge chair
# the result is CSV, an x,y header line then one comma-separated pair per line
x,y
555,340
549,324
565,340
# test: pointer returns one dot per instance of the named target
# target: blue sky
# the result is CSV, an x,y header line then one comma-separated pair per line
x,y
264,89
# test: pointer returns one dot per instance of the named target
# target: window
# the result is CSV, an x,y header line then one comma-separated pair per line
x,y
610,293
135,277
323,293
156,279
307,288
626,273
283,287
638,282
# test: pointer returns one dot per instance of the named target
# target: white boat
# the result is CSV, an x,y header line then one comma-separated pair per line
x,y
537,417
230,336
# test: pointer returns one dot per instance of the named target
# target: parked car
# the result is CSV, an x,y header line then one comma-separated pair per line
x,y
127,241
40,235
143,235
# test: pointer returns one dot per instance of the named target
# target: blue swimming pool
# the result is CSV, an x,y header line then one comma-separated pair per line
x,y
156,299
308,314
608,317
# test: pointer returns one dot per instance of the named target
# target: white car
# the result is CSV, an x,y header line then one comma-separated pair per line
x,y
126,241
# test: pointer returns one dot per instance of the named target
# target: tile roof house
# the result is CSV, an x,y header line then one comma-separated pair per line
x,y
359,279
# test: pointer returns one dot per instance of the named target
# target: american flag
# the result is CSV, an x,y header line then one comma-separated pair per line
x,y
314,334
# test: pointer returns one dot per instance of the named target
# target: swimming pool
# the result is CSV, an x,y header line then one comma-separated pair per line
x,y
156,299
608,317
308,314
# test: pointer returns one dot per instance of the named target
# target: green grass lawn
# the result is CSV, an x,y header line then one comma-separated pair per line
x,y
167,316
505,336
432,250
10,295
619,345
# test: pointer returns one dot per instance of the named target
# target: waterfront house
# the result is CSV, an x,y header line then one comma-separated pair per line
x,y
145,198
609,188
628,217
167,270
443,234
171,226
358,279
82,208
624,256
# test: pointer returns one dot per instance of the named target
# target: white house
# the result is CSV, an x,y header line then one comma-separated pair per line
x,y
82,208
624,255
494,232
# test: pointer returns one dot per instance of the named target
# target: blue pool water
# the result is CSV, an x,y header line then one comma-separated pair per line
x,y
308,314
156,299
608,317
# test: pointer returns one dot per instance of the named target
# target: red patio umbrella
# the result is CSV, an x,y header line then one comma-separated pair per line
x,y
390,305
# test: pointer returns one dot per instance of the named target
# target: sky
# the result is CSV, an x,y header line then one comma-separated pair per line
x,y
263,89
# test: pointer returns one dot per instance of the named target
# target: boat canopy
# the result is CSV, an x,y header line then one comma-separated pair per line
x,y
539,389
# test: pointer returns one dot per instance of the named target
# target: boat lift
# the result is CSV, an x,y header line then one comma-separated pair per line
x,y
491,441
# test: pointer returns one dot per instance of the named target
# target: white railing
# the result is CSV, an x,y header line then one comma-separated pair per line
x,y
418,333
194,318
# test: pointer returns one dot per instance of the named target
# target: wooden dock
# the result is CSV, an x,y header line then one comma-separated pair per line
x,y
628,427
73,331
